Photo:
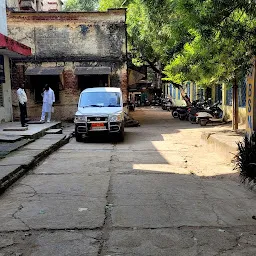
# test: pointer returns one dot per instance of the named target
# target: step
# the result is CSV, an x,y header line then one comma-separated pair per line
x,y
10,138
54,131
15,129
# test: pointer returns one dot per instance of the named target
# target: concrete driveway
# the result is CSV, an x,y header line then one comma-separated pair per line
x,y
161,192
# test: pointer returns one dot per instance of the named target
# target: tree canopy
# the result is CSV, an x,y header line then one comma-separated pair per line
x,y
205,41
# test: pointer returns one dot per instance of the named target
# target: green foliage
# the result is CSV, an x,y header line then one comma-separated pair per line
x,y
204,41
80,5
246,159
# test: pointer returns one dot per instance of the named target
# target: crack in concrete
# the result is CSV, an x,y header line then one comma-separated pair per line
x,y
218,218
19,219
107,225
100,228
221,251
34,191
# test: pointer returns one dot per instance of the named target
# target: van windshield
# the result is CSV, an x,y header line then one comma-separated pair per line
x,y
100,99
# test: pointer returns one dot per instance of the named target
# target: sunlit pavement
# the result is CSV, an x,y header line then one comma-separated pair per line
x,y
161,192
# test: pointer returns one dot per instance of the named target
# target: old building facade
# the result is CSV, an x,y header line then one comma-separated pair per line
x,y
71,52
35,5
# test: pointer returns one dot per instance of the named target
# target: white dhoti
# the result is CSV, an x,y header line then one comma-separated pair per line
x,y
47,108
48,100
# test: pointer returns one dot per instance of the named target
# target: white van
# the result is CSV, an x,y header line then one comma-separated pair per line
x,y
100,110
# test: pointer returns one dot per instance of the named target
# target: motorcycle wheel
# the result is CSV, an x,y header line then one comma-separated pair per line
x,y
182,118
175,114
192,119
203,122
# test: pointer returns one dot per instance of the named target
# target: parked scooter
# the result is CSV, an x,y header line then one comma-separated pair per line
x,y
196,107
213,114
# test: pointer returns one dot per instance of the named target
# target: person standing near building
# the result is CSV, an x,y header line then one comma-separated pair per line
x,y
48,100
22,97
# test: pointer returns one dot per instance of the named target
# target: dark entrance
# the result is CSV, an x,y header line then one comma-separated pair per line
x,y
90,81
37,84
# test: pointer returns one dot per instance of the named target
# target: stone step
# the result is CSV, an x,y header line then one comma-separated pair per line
x,y
54,131
15,129
10,138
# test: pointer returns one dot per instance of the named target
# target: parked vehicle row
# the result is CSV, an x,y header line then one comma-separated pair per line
x,y
201,113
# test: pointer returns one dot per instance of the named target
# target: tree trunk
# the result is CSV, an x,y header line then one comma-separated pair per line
x,y
235,105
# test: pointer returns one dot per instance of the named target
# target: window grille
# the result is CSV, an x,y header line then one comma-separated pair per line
x,y
1,96
194,92
171,87
229,95
188,89
242,93
178,94
174,92
218,93
200,94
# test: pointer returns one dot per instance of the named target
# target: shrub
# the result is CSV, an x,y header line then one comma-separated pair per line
x,y
246,159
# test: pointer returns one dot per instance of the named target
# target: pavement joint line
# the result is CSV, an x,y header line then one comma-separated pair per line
x,y
100,228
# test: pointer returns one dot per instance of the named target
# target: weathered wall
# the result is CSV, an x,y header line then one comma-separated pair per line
x,y
69,95
71,36
70,40
6,110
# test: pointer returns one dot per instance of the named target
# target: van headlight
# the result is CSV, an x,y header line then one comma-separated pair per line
x,y
80,118
115,118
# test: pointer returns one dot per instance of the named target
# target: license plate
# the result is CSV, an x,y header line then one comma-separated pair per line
x,y
97,126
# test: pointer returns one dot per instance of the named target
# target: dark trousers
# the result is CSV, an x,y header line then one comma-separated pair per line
x,y
23,113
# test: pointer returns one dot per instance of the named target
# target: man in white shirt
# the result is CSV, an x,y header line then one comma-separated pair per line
x,y
22,97
48,100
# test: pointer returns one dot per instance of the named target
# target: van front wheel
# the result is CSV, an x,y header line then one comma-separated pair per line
x,y
120,135
78,136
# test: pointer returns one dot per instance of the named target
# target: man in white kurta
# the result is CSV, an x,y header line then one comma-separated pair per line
x,y
48,100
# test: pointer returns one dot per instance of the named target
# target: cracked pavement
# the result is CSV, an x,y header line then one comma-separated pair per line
x,y
161,192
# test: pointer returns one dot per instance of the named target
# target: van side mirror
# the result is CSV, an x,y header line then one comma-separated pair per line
x,y
124,104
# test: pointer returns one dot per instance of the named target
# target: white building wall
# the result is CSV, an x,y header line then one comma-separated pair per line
x,y
3,23
6,110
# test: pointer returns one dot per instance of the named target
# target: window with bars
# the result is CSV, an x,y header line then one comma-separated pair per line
x,y
194,91
229,95
188,89
174,93
171,89
178,94
200,94
242,93
1,96
218,93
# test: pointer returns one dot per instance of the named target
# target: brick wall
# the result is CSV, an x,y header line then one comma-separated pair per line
x,y
68,93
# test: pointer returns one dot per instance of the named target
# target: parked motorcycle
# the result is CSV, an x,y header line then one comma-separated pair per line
x,y
196,107
213,114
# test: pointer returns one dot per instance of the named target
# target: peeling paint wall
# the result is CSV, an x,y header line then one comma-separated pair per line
x,y
69,40
71,35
